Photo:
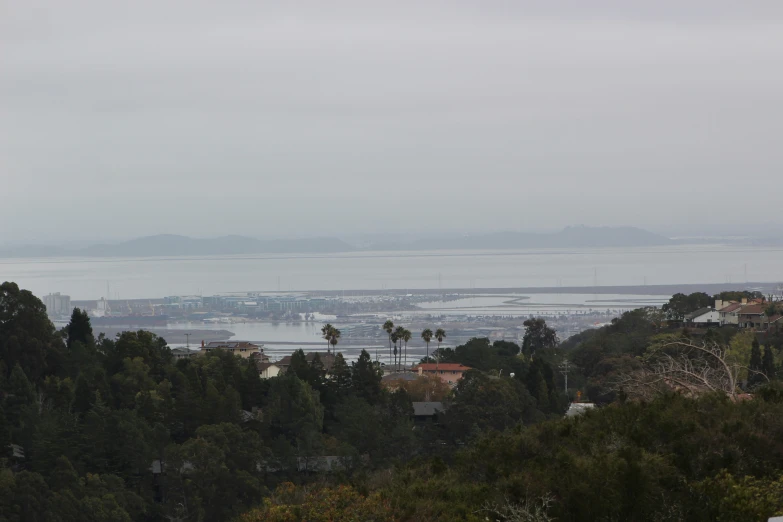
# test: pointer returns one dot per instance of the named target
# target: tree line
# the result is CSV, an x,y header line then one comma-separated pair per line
x,y
116,429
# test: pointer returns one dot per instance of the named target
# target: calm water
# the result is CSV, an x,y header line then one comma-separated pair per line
x,y
158,277
539,304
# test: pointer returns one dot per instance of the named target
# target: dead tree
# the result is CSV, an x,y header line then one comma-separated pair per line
x,y
686,367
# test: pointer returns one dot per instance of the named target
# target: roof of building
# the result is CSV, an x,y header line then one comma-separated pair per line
x,y
422,409
431,367
698,313
752,309
327,359
231,344
578,408
731,307
261,366
400,376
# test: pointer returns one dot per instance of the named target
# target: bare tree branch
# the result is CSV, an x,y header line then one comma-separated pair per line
x,y
686,367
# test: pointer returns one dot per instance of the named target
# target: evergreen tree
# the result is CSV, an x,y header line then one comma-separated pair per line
x,y
83,397
64,476
341,374
299,366
79,329
366,378
5,435
317,374
768,363
20,394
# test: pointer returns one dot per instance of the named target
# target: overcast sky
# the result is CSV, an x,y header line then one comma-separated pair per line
x,y
127,118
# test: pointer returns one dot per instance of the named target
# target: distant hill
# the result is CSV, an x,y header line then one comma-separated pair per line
x,y
173,245
569,237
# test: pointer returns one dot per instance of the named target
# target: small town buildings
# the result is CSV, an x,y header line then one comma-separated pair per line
x,y
449,373
58,306
243,349
752,316
427,412
266,368
327,359
729,312
704,317
183,353
578,408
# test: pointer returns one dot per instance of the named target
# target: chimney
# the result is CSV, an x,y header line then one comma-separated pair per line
x,y
744,300
718,304
202,343
421,370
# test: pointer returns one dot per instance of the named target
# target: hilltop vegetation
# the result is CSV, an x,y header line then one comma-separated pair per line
x,y
116,429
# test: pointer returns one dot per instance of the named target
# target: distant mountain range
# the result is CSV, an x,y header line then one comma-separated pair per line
x,y
174,245
569,237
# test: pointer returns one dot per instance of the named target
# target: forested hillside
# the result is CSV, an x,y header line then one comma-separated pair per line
x,y
116,429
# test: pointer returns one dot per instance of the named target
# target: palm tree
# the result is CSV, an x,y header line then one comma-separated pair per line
x,y
388,327
334,338
440,334
394,339
326,333
399,333
406,336
427,336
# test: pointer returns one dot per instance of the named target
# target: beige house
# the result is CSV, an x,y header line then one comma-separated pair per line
x,y
327,359
243,349
729,312
449,373
268,370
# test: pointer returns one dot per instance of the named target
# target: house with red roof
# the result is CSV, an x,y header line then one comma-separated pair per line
x,y
449,373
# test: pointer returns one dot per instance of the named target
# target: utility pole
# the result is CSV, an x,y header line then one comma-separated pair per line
x,y
187,336
564,369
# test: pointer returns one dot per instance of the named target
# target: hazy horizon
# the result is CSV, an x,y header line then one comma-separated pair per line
x,y
124,120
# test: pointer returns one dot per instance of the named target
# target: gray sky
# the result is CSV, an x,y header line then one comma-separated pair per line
x,y
122,118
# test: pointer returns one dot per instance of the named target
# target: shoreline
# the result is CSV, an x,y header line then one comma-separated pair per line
x,y
658,290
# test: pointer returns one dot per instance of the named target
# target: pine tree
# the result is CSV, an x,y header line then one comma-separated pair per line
x,y
83,398
299,366
366,378
79,328
768,363
20,394
341,374
317,373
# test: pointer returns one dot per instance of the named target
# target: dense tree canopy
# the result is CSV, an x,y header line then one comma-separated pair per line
x,y
116,429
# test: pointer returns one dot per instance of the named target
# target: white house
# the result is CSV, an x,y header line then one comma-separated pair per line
x,y
705,316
